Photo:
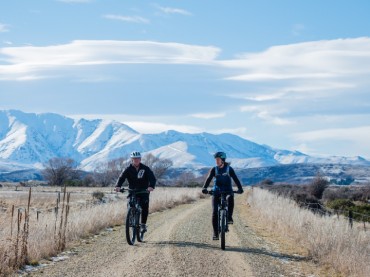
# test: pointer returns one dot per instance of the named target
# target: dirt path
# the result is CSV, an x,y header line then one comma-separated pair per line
x,y
178,243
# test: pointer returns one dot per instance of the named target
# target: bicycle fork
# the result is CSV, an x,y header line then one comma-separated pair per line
x,y
220,223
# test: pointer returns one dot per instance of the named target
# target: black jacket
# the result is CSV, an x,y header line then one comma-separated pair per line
x,y
137,179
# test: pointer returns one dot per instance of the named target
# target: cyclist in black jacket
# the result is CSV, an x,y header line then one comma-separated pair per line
x,y
222,173
139,177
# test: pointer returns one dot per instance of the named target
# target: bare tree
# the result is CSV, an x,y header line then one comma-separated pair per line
x,y
158,165
59,170
107,173
188,179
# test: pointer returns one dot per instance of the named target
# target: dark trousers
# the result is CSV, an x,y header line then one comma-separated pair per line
x,y
216,200
143,199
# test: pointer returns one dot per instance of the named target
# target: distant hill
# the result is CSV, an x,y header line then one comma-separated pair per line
x,y
28,140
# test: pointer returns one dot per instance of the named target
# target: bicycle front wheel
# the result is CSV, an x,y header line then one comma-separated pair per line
x,y
130,226
223,225
139,233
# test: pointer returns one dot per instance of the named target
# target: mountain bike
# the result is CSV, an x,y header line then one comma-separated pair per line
x,y
222,214
133,231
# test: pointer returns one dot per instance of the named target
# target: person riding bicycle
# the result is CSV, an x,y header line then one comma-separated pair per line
x,y
140,177
222,174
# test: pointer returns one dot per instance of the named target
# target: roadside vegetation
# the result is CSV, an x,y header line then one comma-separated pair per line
x,y
317,217
351,201
40,222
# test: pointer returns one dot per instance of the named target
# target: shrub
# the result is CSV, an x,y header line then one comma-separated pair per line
x,y
98,195
362,212
267,182
318,186
340,204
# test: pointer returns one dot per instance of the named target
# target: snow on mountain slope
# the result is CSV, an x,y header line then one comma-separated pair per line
x,y
177,152
32,139
14,139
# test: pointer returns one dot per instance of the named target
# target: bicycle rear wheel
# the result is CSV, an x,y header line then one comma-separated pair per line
x,y
139,234
130,226
223,228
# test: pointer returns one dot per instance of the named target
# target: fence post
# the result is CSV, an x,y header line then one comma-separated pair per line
x,y
350,215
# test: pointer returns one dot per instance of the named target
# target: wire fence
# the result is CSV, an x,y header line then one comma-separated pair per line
x,y
349,215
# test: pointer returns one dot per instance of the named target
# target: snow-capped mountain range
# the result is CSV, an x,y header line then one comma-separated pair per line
x,y
28,140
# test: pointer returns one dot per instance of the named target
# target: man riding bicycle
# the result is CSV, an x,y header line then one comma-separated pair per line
x,y
223,173
140,177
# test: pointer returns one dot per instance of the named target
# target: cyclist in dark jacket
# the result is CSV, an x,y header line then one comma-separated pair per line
x,y
139,177
222,174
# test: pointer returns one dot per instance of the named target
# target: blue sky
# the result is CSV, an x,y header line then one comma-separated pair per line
x,y
290,74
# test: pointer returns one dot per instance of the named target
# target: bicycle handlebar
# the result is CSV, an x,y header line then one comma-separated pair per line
x,y
133,190
211,192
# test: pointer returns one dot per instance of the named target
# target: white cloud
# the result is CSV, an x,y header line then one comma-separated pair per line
x,y
145,124
264,113
354,134
351,141
241,131
157,127
305,61
22,61
279,76
133,19
208,115
31,77
264,97
303,91
303,147
3,28
169,10
304,79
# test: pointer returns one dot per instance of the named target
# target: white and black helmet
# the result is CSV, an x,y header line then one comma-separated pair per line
x,y
135,154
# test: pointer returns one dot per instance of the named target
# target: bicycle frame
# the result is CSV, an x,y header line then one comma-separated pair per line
x,y
133,218
222,206
222,214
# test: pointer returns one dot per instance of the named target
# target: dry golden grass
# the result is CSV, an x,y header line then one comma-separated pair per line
x,y
55,229
329,240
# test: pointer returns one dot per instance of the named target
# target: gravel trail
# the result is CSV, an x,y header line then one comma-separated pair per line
x,y
178,243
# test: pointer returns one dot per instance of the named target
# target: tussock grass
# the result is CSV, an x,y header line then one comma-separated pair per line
x,y
64,221
329,240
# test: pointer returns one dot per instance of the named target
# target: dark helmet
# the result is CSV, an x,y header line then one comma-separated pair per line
x,y
221,155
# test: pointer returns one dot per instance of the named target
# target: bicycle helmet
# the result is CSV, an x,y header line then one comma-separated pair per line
x,y
221,155
135,154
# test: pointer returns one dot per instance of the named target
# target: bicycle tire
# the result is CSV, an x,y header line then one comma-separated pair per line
x,y
139,234
130,227
223,228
